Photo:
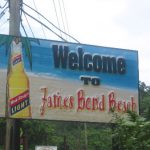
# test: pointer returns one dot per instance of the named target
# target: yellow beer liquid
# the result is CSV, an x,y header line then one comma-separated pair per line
x,y
18,83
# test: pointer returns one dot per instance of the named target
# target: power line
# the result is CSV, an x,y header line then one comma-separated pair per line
x,y
50,23
28,25
65,16
3,12
26,21
57,16
44,25
4,5
61,16
39,18
24,30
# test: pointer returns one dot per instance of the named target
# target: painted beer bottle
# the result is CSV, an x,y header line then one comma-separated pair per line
x,y
18,84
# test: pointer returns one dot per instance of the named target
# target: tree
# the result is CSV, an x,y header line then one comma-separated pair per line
x,y
132,132
144,93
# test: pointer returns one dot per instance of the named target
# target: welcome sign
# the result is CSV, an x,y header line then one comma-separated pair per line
x,y
78,82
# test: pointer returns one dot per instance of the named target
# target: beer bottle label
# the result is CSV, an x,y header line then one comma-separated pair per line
x,y
16,59
19,102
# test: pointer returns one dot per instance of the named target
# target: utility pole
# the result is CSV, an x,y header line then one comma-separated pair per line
x,y
15,18
85,134
12,125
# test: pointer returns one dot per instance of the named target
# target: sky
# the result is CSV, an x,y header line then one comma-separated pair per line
x,y
111,23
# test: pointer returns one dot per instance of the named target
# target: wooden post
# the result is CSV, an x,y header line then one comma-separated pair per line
x,y
85,133
12,125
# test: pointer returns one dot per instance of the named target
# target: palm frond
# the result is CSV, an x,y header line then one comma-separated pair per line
x,y
27,45
5,40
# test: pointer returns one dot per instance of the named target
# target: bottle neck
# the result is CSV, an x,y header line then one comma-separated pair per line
x,y
16,60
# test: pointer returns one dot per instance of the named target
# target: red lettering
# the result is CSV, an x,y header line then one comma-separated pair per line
x,y
119,105
95,103
71,104
44,99
81,100
49,101
65,102
102,104
88,103
112,102
57,100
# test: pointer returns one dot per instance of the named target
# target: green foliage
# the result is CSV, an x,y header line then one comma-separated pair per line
x,y
2,133
6,41
67,134
132,133
144,100
99,139
39,132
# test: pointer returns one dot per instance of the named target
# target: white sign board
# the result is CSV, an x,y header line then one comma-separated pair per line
x,y
46,148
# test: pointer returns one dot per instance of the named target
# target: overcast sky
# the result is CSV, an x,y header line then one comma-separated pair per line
x,y
112,23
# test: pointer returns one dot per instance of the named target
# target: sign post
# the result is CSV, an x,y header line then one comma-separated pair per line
x,y
12,125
